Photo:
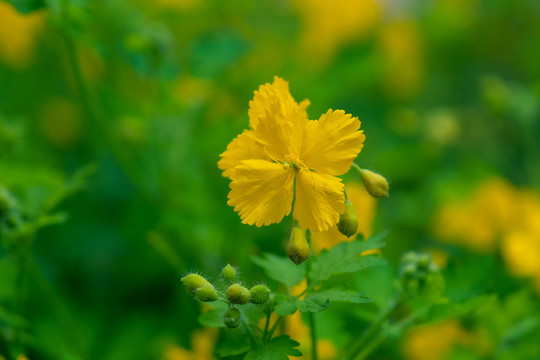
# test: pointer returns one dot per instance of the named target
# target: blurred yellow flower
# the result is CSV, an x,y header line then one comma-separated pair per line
x,y
202,345
328,25
18,34
402,52
497,213
283,150
434,341
365,206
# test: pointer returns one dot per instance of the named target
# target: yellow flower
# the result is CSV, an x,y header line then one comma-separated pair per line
x,y
18,34
283,147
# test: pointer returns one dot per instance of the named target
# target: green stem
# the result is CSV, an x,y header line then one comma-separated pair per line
x,y
357,168
311,316
274,327
368,349
266,326
359,344
249,331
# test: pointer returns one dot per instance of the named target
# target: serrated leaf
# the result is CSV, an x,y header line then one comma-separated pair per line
x,y
281,269
313,303
344,295
214,316
279,348
347,257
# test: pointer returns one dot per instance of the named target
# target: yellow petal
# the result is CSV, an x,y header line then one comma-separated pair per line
x,y
261,191
243,147
332,143
278,120
319,200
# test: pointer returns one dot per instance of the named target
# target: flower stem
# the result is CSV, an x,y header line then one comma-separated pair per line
x,y
274,327
249,330
311,316
266,326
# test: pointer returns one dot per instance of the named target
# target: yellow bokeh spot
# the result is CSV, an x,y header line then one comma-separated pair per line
x,y
328,25
18,33
202,345
434,341
402,50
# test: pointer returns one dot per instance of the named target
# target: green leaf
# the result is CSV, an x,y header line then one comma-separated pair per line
x,y
214,317
234,342
346,258
285,305
27,6
313,303
344,295
281,269
279,348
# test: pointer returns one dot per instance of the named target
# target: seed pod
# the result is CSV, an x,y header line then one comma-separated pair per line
x,y
206,294
237,294
298,247
231,318
348,221
375,184
259,294
194,281
229,273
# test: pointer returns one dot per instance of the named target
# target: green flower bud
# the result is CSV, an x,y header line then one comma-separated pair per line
x,y
375,184
410,257
408,271
348,221
298,247
206,294
194,281
231,318
237,294
229,273
268,307
259,294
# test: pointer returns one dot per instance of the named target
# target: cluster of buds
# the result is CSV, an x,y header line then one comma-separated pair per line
x,y
233,293
419,275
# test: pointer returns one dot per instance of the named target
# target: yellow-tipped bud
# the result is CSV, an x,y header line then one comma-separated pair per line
x,y
194,281
259,294
229,273
237,294
206,294
231,318
348,221
298,247
375,184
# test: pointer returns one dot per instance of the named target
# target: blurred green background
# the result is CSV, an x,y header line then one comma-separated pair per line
x,y
113,115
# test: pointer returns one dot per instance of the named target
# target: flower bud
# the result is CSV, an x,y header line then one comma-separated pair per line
x,y
237,294
375,184
298,247
269,306
229,273
259,294
348,221
206,294
194,281
231,318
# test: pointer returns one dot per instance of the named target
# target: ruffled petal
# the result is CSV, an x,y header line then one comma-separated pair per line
x,y
261,191
332,143
319,200
243,147
278,120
